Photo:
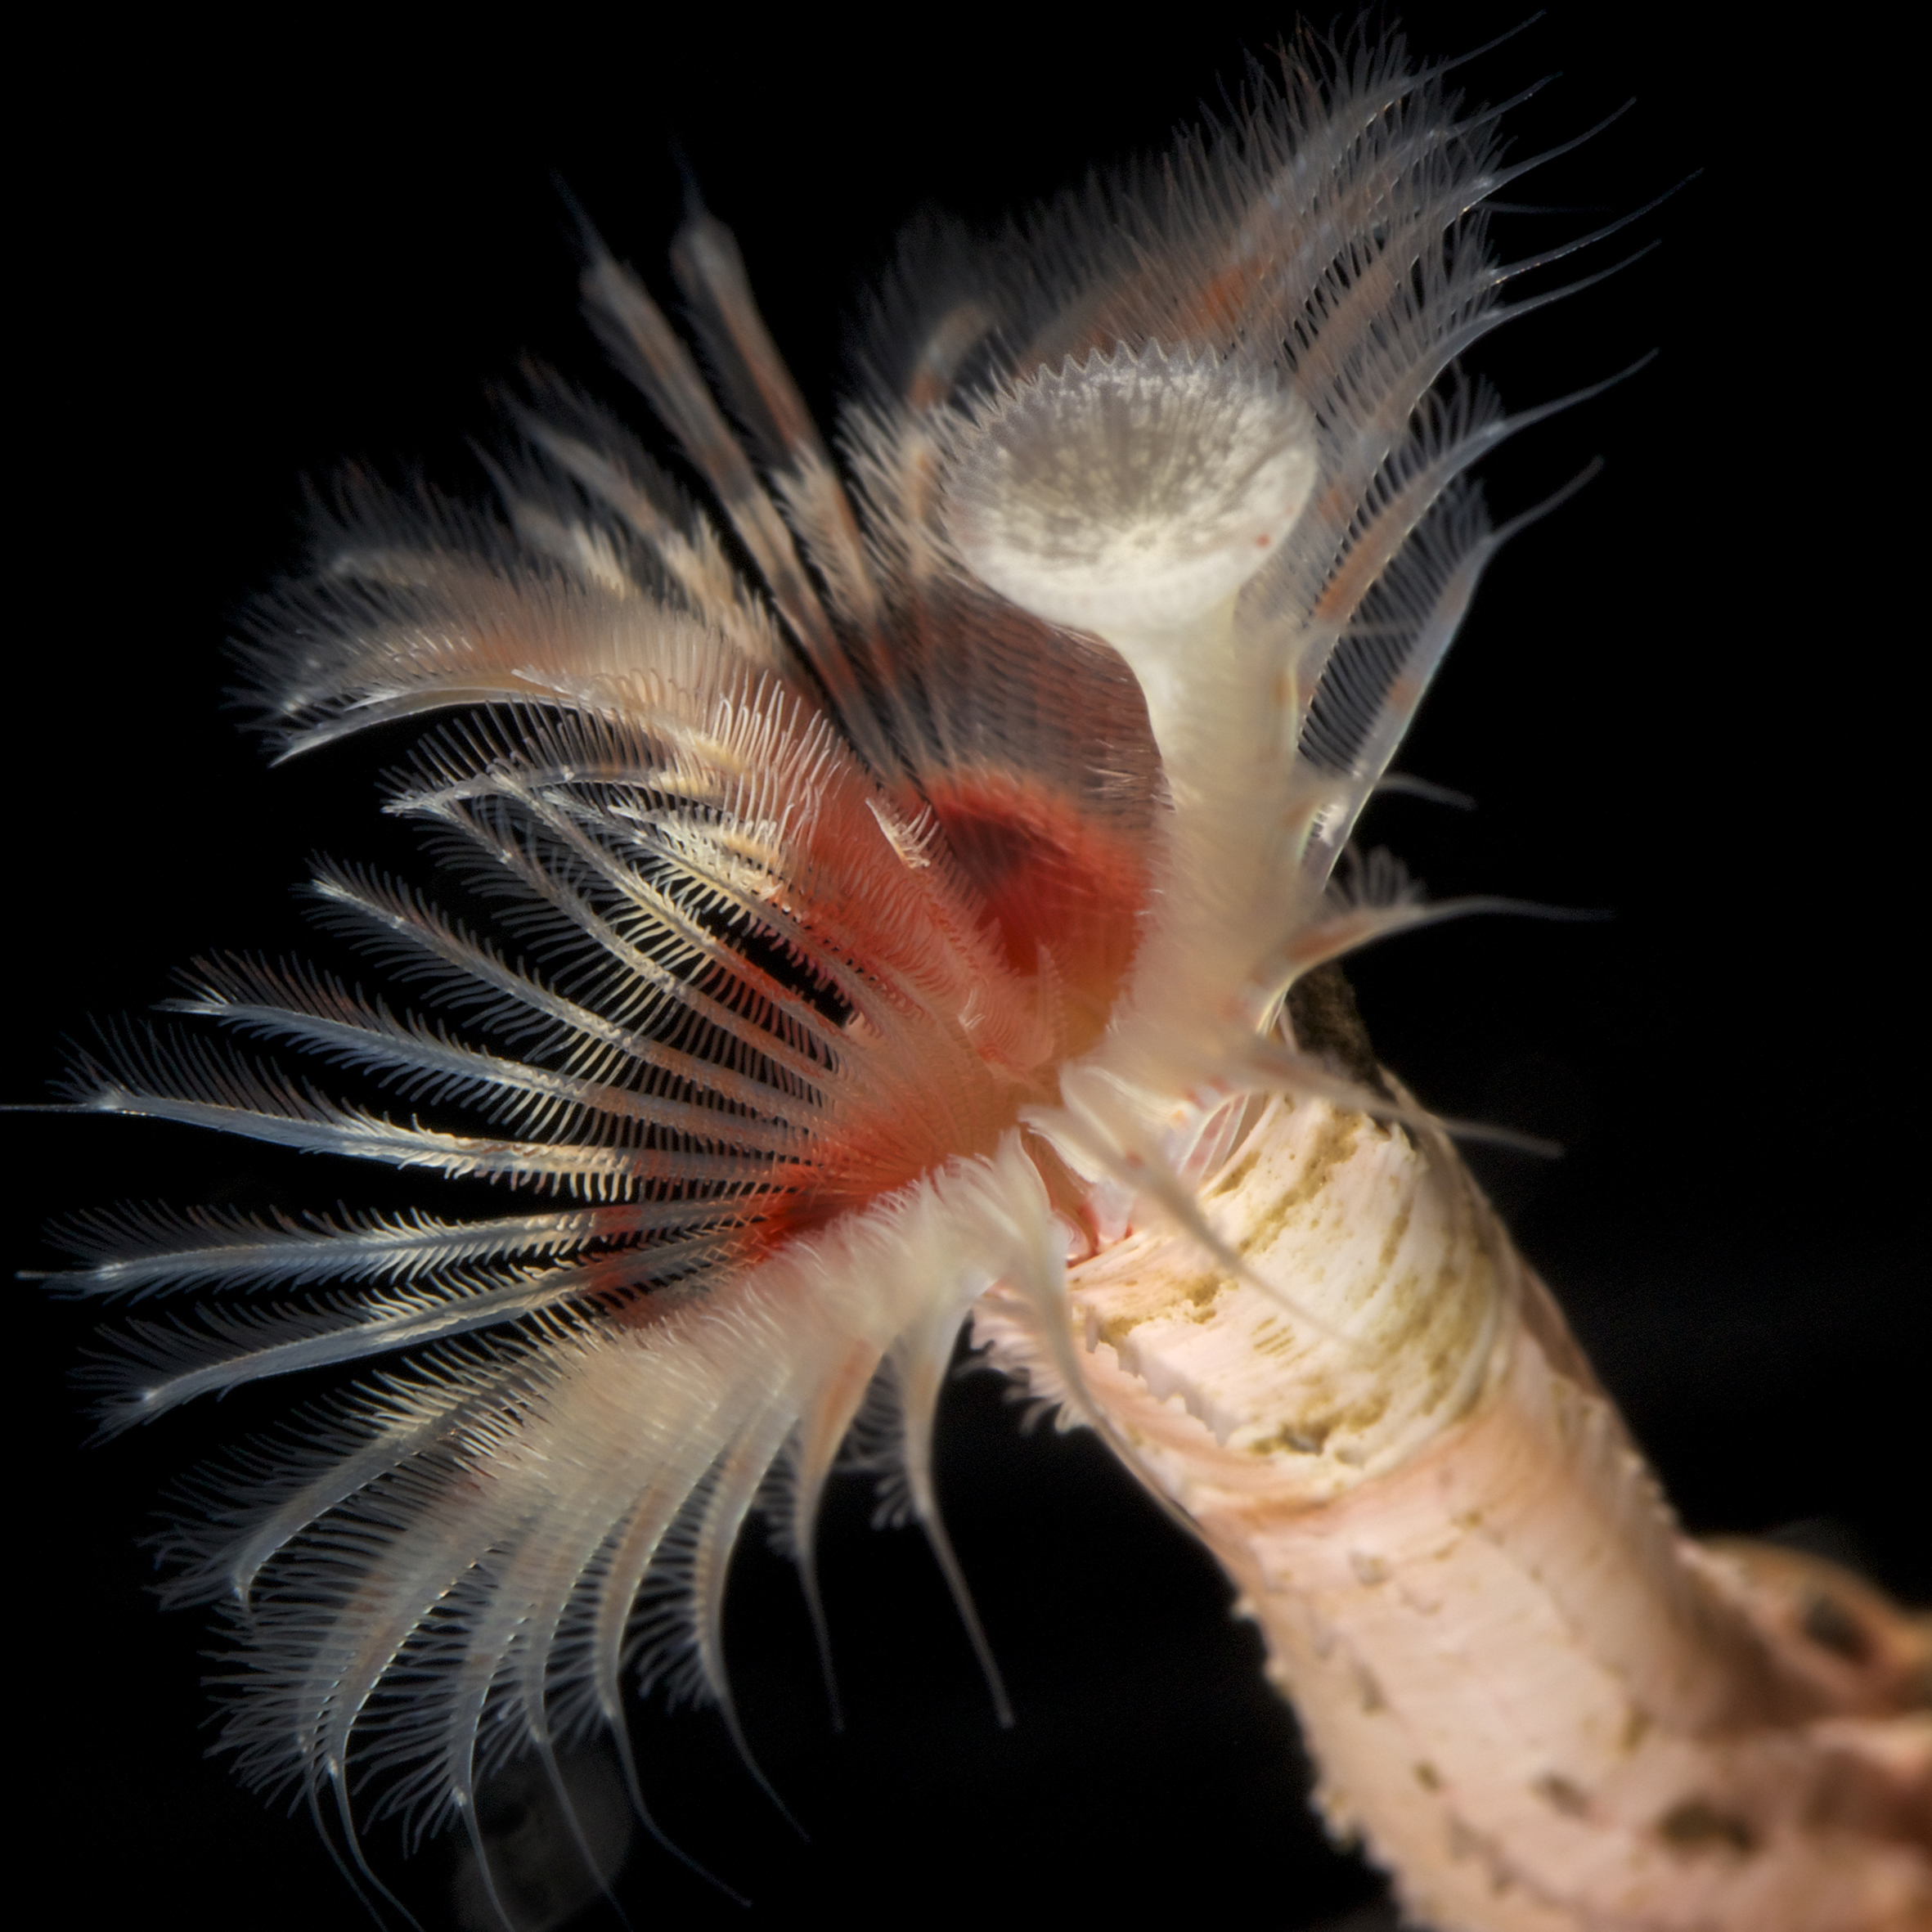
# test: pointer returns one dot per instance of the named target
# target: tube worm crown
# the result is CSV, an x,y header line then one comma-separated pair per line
x,y
689,812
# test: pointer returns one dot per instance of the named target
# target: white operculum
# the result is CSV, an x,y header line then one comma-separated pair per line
x,y
1132,496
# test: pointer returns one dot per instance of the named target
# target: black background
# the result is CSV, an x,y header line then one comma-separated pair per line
x,y
1680,698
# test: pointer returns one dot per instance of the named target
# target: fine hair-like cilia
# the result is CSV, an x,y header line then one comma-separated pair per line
x,y
841,888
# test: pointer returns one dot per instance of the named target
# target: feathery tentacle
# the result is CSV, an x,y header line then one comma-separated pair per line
x,y
898,924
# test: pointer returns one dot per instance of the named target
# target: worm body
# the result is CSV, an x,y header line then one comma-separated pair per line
x,y
1477,1600
923,904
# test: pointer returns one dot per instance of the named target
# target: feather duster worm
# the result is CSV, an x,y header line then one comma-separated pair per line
x,y
879,955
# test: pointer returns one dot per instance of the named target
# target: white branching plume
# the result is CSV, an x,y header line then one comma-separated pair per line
x,y
919,871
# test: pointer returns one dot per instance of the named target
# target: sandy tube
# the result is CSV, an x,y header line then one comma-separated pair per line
x,y
1534,1701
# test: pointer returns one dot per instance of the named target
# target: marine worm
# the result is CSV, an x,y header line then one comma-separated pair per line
x,y
1716,1839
